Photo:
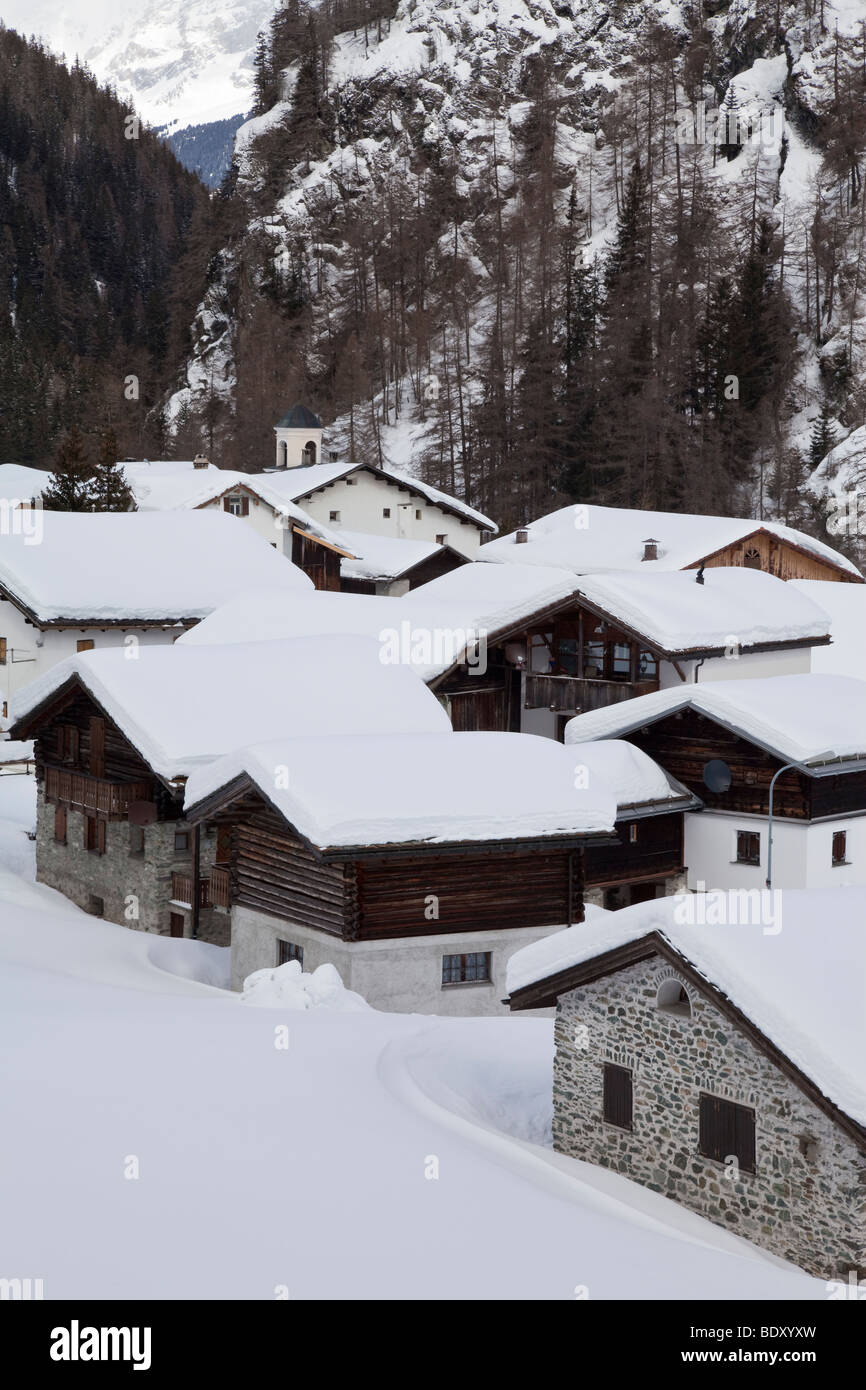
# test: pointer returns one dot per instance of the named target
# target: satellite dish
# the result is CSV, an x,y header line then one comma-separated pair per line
x,y
717,775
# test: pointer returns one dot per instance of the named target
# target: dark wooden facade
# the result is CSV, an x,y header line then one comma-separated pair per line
x,y
443,562
650,849
319,561
762,550
685,742
411,892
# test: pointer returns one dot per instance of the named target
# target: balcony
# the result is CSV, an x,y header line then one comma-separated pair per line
x,y
577,694
94,794
181,890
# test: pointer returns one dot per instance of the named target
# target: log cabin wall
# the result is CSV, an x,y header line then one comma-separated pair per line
x,y
273,871
657,852
684,743
778,557
319,562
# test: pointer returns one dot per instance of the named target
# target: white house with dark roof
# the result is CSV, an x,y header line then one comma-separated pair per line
x,y
729,742
129,580
598,540
709,1057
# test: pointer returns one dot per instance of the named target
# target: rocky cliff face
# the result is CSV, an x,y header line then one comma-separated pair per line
x,y
473,231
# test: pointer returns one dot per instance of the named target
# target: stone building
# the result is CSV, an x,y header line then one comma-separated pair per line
x,y
716,1065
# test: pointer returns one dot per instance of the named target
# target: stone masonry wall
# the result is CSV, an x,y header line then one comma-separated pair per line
x,y
808,1209
135,888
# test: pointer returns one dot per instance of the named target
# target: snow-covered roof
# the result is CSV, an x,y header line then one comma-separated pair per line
x,y
383,557
810,719
405,789
670,610
296,483
426,637
678,615
21,484
634,778
597,540
176,484
183,706
805,992
139,566
846,605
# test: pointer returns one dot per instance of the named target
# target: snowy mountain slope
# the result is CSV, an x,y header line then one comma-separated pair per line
x,y
179,64
442,88
123,1045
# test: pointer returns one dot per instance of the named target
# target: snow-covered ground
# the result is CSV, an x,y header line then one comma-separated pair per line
x,y
262,1168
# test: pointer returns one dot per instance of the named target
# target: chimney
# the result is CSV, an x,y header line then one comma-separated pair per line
x,y
200,461
521,536
650,550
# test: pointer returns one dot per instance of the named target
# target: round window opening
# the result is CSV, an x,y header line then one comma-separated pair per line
x,y
673,999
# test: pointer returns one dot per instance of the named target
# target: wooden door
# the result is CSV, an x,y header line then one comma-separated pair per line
x,y
176,923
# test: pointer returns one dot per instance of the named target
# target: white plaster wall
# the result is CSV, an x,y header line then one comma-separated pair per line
x,y
399,976
261,517
35,652
748,666
360,504
802,854
296,441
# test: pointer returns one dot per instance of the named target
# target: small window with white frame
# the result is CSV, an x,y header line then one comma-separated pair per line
x,y
473,968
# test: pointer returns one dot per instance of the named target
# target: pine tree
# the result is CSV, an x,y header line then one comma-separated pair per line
x,y
823,436
110,491
70,487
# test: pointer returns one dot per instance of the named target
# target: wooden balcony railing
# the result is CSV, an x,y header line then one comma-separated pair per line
x,y
576,694
93,793
181,890
219,886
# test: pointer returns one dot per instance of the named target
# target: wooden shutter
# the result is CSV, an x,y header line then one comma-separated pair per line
x,y
85,645
73,743
618,1100
100,837
87,824
2,651
97,746
245,506
226,508
727,1129
840,846
60,824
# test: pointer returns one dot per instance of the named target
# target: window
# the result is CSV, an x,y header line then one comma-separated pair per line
x,y
5,709
84,645
136,839
181,841
2,651
442,538
618,1096
232,505
334,516
621,664
386,512
60,824
287,950
840,848
647,666
471,969
752,559
94,835
417,515
67,743
632,833
97,905
673,999
748,847
727,1130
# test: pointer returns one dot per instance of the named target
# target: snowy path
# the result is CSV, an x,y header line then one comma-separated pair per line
x,y
260,1167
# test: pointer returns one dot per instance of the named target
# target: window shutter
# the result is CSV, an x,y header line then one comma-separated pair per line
x,y
725,1129
245,506
60,824
2,651
72,743
618,1097
88,834
100,836
97,747
226,505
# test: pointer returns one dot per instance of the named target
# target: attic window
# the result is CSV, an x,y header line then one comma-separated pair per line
x,y
417,514
752,558
442,538
673,999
